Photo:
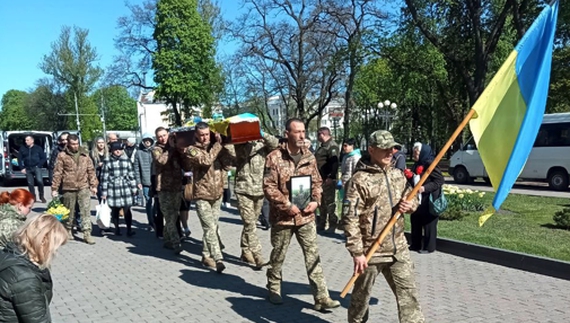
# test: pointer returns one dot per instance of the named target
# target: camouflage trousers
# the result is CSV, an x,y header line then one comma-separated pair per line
x,y
399,273
209,214
249,210
170,207
307,238
82,198
328,207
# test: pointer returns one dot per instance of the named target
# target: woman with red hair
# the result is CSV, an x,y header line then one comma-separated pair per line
x,y
14,207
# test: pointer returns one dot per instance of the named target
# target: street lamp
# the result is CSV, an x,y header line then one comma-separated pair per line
x,y
385,107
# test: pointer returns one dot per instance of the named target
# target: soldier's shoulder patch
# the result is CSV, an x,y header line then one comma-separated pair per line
x,y
193,152
334,151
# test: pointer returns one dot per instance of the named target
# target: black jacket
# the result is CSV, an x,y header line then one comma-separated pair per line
x,y
25,289
31,157
53,157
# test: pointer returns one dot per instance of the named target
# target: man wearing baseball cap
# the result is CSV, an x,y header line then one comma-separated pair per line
x,y
375,192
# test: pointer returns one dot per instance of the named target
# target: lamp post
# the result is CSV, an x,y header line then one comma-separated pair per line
x,y
386,107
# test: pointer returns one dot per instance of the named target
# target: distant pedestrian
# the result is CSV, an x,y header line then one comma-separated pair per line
x,y
32,159
423,223
119,186
131,149
328,163
14,207
26,286
144,170
349,162
99,154
399,158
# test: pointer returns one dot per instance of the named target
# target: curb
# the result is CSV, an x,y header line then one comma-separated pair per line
x,y
535,264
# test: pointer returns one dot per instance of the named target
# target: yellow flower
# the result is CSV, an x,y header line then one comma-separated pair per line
x,y
481,194
461,196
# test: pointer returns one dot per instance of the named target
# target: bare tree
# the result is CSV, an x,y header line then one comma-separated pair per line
x,y
297,55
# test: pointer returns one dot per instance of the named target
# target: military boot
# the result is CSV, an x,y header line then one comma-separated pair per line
x,y
325,303
87,238
247,257
259,262
220,266
275,298
209,262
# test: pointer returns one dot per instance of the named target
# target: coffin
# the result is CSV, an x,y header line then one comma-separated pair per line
x,y
238,129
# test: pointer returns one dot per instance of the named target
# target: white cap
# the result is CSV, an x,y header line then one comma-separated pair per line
x,y
132,140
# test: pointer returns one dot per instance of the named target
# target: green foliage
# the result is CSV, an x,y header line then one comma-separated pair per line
x,y
45,103
119,107
71,63
461,202
185,69
14,115
562,218
524,224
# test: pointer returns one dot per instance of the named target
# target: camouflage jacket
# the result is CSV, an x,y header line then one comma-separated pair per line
x,y
279,168
372,196
72,175
327,159
10,221
209,167
250,162
167,168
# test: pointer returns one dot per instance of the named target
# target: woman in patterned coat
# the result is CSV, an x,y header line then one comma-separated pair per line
x,y
119,186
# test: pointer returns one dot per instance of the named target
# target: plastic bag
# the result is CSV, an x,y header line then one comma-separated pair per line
x,y
103,216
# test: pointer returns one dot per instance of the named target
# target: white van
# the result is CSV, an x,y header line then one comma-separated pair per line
x,y
549,159
10,144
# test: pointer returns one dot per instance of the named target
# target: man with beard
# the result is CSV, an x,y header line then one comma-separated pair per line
x,y
75,174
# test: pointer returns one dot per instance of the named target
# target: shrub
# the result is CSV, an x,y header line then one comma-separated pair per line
x,y
562,218
460,202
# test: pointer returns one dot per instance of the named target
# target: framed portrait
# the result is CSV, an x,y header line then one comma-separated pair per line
x,y
300,193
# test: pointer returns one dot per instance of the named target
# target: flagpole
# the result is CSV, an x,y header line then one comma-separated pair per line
x,y
410,197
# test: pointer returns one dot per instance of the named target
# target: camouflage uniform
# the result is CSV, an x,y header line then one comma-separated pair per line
x,y
327,161
207,165
371,197
166,161
279,168
75,175
10,221
250,162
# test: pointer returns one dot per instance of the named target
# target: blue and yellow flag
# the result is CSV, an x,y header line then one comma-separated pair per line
x,y
509,112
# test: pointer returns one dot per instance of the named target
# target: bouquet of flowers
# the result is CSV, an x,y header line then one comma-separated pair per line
x,y
57,209
414,178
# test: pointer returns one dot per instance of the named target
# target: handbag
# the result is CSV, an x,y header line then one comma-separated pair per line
x,y
438,206
103,216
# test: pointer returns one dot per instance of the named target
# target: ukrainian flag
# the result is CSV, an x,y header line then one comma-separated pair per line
x,y
509,112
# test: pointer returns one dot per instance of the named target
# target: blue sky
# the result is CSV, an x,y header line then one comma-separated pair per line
x,y
28,27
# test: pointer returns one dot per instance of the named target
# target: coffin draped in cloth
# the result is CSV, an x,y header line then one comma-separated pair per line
x,y
238,129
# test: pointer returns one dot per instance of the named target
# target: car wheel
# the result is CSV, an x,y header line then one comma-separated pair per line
x,y
460,175
558,180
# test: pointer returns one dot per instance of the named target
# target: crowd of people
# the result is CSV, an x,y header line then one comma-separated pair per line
x,y
169,174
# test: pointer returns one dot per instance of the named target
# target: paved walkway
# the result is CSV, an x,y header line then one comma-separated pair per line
x,y
134,279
